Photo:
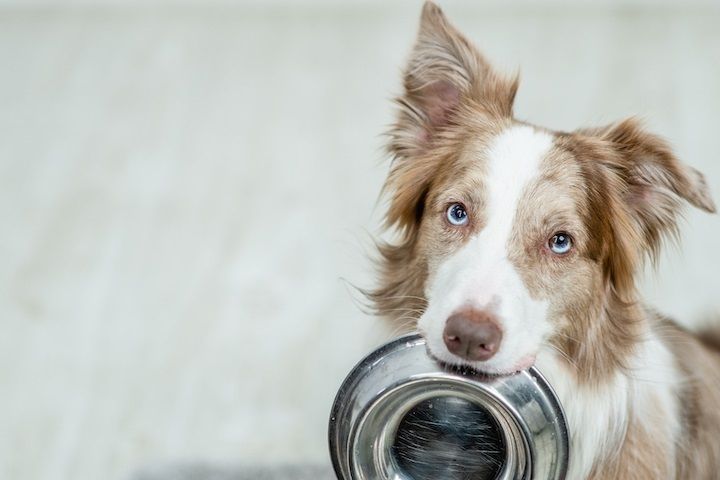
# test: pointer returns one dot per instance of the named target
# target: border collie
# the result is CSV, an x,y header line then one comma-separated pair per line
x,y
519,245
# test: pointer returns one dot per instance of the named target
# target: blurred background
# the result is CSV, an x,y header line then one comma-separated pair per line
x,y
184,185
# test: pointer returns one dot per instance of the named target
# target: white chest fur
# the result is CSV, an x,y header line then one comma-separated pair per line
x,y
598,416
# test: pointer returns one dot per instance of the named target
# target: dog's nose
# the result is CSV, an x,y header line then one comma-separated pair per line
x,y
472,334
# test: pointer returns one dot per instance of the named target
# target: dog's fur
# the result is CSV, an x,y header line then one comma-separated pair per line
x,y
641,394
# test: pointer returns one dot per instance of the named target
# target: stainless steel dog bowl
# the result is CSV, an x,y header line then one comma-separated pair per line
x,y
401,415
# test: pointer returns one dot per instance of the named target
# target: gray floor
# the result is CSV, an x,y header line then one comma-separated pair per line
x,y
183,190
214,472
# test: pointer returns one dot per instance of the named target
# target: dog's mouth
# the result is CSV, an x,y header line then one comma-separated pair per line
x,y
466,369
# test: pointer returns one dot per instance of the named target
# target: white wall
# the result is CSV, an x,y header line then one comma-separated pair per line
x,y
182,188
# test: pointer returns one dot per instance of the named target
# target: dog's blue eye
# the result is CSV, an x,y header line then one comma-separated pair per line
x,y
560,243
457,215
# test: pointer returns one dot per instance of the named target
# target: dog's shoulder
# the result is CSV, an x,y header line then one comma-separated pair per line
x,y
697,356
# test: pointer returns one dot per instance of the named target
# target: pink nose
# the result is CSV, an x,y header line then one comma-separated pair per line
x,y
472,334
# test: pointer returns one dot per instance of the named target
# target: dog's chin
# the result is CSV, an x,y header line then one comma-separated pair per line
x,y
454,362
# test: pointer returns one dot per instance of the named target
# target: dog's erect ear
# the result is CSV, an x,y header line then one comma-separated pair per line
x,y
655,181
444,69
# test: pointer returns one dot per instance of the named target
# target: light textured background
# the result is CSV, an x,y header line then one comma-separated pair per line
x,y
183,184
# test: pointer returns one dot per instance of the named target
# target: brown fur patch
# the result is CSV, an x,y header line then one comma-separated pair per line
x,y
699,452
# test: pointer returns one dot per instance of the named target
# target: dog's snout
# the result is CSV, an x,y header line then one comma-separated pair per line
x,y
472,334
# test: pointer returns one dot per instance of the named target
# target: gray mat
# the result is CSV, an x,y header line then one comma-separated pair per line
x,y
214,472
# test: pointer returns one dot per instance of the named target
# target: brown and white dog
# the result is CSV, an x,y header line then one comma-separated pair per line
x,y
519,245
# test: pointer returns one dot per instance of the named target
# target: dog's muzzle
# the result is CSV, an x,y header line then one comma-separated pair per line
x,y
400,415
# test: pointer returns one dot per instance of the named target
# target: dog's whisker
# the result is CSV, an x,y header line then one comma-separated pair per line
x,y
406,297
568,337
562,354
405,309
404,324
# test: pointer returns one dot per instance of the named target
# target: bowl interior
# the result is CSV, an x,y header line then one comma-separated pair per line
x,y
449,437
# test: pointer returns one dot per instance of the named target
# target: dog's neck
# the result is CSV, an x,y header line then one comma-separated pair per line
x,y
600,337
623,379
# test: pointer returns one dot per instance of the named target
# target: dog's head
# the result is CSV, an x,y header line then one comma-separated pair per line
x,y
516,238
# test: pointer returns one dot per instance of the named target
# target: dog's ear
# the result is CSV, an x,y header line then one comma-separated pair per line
x,y
443,71
653,180
445,74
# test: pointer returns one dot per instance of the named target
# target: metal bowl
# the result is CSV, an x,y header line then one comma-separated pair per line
x,y
401,415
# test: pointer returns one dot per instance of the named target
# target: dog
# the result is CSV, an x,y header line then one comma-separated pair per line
x,y
518,245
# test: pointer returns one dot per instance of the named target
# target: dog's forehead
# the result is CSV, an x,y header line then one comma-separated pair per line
x,y
515,158
517,165
516,154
